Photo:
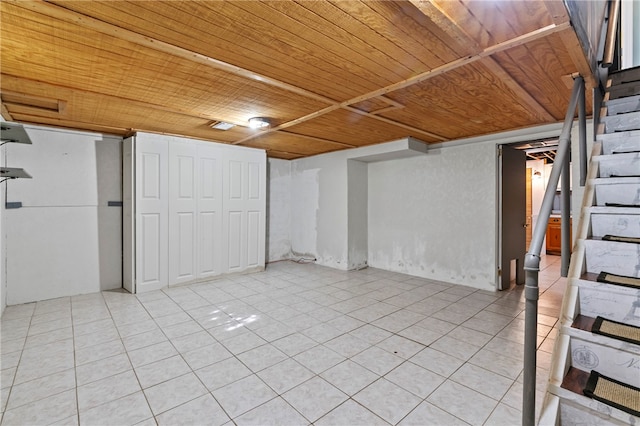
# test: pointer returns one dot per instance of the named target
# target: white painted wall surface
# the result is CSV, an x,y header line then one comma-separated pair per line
x,y
3,235
279,210
319,209
358,220
65,240
434,216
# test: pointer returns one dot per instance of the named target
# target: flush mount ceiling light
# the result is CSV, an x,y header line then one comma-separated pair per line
x,y
221,125
259,123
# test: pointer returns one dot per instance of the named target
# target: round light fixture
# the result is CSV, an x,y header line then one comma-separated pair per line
x,y
259,123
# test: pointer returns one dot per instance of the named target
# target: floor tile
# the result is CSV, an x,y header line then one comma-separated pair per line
x,y
193,341
351,413
177,391
314,398
107,389
387,400
44,411
294,344
161,371
276,412
351,328
483,381
454,347
462,402
150,354
401,346
285,375
243,342
261,357
347,345
415,379
349,377
244,395
498,363
319,358
98,352
41,388
206,355
437,361
503,415
200,411
377,360
222,373
129,410
96,370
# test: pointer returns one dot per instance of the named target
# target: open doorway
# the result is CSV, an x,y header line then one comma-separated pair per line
x,y
524,169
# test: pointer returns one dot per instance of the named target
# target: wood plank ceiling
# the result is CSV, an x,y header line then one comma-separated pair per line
x,y
329,75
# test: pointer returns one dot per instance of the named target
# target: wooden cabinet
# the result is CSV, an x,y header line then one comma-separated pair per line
x,y
554,235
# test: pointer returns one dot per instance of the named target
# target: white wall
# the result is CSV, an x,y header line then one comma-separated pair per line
x,y
65,240
358,214
319,209
430,215
3,235
278,210
434,216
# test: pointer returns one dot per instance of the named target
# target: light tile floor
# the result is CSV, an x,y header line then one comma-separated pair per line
x,y
295,345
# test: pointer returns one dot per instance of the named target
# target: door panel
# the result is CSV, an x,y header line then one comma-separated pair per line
x,y
151,235
512,215
209,207
182,208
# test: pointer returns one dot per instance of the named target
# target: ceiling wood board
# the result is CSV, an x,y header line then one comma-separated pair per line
x,y
329,74
470,100
491,22
543,77
351,128
293,144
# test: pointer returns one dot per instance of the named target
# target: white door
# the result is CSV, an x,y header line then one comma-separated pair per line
x,y
244,211
128,215
182,212
152,171
209,213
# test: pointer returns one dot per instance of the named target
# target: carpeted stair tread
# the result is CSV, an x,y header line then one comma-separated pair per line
x,y
609,278
621,239
614,393
616,330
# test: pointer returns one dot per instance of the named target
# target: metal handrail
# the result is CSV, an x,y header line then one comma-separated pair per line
x,y
610,40
532,258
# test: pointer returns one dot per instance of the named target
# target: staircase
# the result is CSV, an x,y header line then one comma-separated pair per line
x,y
595,374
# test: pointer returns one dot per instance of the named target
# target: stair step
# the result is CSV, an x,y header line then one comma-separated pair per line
x,y
619,191
612,256
623,90
622,122
616,224
616,330
567,382
623,105
625,76
611,301
621,239
613,392
627,164
593,210
626,281
620,142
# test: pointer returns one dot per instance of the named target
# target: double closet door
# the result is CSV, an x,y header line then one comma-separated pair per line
x,y
198,211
